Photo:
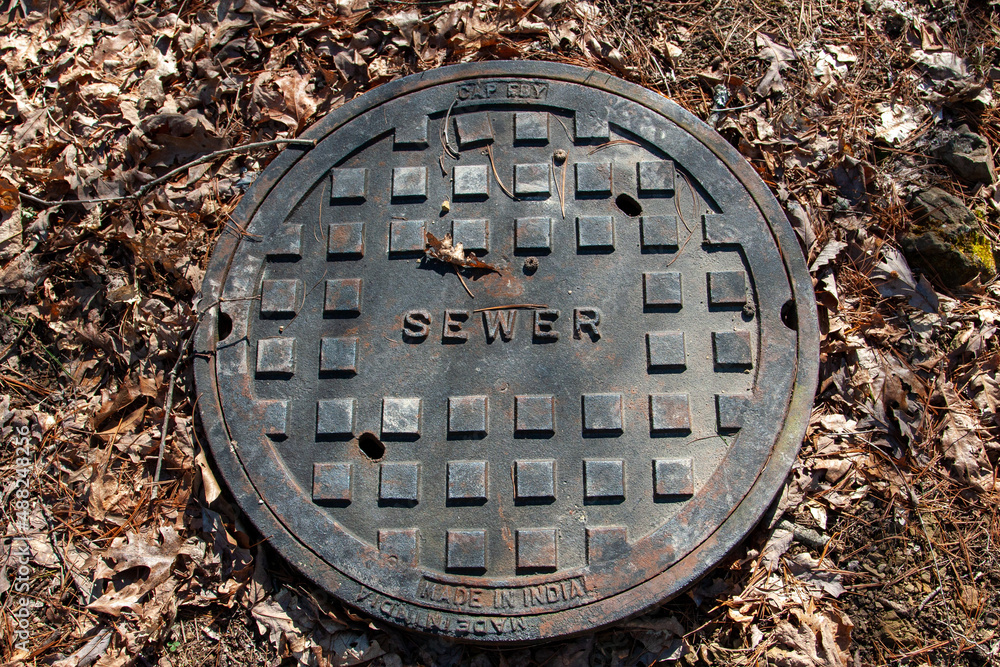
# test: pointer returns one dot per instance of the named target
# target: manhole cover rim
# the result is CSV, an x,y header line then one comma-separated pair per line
x,y
690,567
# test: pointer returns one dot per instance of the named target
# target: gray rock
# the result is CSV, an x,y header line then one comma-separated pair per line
x,y
945,240
967,153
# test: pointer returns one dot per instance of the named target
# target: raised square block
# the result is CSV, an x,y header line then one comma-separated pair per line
x,y
345,240
656,177
332,481
720,229
343,296
280,297
532,179
412,134
338,355
595,233
661,288
533,234
665,349
730,411
531,126
727,288
276,356
401,416
467,480
473,129
348,185
669,412
732,348
286,242
591,124
275,418
399,482
534,480
399,542
593,178
602,412
409,182
673,477
659,232
466,550
467,414
534,414
536,549
604,479
471,181
335,416
474,235
406,236
606,543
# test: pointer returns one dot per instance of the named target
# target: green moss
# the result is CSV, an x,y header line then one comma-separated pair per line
x,y
977,247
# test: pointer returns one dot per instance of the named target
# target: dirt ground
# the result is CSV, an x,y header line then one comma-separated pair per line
x,y
130,130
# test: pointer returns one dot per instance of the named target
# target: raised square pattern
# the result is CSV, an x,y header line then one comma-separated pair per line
x,y
727,288
338,355
532,179
604,479
593,178
332,481
406,236
466,550
602,412
662,288
474,235
533,234
665,349
531,126
409,182
401,416
720,229
730,411
275,418
471,181
656,177
536,549
412,134
673,477
606,543
467,480
399,482
534,414
348,185
732,349
467,414
335,416
399,542
595,233
343,296
345,240
659,232
591,124
534,480
280,297
286,242
669,412
276,356
473,129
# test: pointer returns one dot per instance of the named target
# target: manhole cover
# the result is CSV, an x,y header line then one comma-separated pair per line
x,y
594,430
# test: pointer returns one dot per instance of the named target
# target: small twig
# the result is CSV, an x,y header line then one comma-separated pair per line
x,y
552,170
526,306
463,281
559,120
562,190
144,190
443,134
615,142
489,152
168,406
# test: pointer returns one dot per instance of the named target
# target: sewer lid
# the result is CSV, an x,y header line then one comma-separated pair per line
x,y
598,426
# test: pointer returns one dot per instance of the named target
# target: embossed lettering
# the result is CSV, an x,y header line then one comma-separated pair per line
x,y
416,324
544,322
477,90
586,320
528,90
499,321
504,598
453,325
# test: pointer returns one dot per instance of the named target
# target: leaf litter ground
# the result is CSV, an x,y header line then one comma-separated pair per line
x,y
150,119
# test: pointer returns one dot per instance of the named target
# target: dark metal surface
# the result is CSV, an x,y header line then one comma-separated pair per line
x,y
516,473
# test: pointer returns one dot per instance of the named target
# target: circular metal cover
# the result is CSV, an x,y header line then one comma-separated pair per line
x,y
611,423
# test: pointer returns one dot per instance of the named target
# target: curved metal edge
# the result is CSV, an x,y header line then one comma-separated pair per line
x,y
689,569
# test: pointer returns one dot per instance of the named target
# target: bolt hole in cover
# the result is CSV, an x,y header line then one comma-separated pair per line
x,y
583,439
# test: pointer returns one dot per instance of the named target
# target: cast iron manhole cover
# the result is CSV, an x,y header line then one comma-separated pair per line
x,y
592,432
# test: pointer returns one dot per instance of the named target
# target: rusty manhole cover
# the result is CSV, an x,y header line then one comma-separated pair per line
x,y
592,432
